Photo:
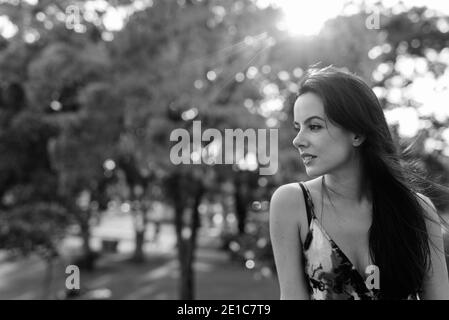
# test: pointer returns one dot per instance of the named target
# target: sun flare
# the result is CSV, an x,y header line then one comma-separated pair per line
x,y
307,17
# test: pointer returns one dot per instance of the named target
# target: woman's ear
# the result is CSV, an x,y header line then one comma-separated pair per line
x,y
357,140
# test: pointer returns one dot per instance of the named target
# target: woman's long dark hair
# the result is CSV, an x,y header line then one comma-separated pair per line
x,y
398,239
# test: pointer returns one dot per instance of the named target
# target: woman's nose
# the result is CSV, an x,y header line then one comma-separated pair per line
x,y
298,141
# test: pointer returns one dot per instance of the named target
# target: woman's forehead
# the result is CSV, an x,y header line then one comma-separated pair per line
x,y
307,105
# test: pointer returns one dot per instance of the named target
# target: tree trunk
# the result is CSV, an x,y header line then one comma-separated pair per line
x,y
139,256
187,247
140,227
46,294
195,222
88,254
240,205
185,292
192,244
187,277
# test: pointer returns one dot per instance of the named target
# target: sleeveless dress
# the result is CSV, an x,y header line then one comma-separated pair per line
x,y
331,275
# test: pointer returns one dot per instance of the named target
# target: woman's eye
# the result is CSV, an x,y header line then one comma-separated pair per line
x,y
314,127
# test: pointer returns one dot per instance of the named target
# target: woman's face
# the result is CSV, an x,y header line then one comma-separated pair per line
x,y
331,147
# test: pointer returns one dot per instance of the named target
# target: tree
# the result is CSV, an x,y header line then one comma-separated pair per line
x,y
411,57
81,150
32,213
61,71
150,56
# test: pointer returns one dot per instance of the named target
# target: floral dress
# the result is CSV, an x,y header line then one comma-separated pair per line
x,y
330,273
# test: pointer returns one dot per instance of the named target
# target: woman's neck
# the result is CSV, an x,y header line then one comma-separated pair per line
x,y
348,185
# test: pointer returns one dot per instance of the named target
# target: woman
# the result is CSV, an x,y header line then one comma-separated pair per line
x,y
357,229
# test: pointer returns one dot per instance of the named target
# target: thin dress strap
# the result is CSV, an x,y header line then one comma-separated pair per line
x,y
308,201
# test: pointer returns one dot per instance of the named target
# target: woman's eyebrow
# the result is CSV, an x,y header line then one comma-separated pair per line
x,y
308,119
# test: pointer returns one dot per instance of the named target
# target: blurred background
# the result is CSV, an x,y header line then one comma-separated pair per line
x,y
91,90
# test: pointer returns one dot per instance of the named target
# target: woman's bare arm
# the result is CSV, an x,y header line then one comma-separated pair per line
x,y
286,206
436,283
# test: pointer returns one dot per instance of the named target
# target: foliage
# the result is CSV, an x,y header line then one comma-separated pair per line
x,y
253,248
73,100
26,228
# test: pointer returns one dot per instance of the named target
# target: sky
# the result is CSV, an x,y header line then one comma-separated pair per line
x,y
303,17
307,17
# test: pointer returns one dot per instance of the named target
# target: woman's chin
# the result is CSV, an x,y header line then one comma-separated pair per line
x,y
310,173
313,172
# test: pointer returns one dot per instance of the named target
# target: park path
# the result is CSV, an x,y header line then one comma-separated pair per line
x,y
217,277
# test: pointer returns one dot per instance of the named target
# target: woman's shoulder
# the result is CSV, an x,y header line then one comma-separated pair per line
x,y
288,204
291,189
286,192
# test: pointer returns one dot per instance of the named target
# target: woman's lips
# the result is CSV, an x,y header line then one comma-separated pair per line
x,y
308,159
